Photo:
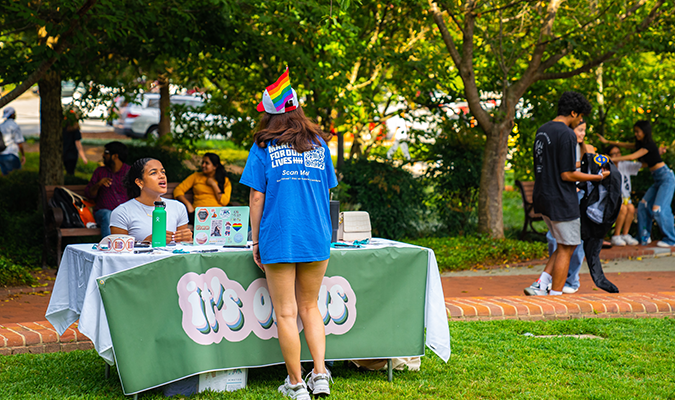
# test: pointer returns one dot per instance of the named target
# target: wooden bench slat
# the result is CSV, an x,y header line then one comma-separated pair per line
x,y
526,194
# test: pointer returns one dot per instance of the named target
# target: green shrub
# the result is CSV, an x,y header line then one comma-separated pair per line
x,y
392,196
454,174
12,274
467,252
22,233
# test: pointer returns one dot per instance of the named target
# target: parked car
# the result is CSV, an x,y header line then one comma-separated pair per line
x,y
140,119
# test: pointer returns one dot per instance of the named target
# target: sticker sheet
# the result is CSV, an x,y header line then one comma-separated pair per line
x,y
221,225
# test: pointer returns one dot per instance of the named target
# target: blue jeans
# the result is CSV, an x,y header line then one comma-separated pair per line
x,y
659,194
575,261
8,163
102,218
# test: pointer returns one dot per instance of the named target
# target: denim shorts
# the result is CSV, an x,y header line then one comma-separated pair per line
x,y
565,232
8,163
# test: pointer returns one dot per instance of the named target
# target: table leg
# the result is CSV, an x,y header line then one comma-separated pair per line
x,y
390,370
107,370
136,396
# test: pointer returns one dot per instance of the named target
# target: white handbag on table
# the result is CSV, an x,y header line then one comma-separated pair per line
x,y
354,225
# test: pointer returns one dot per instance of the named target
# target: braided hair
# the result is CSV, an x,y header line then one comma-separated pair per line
x,y
135,172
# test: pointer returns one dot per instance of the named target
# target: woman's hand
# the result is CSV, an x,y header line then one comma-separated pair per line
x,y
181,235
602,138
256,257
214,185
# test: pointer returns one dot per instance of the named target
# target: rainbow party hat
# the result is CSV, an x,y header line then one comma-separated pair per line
x,y
279,97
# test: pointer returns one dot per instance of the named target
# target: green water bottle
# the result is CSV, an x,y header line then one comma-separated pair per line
x,y
159,225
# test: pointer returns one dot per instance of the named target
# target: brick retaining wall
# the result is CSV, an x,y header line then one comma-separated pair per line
x,y
602,305
40,337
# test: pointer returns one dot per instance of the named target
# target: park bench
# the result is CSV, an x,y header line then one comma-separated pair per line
x,y
53,217
526,189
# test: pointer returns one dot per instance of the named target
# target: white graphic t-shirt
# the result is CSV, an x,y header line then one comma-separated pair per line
x,y
627,169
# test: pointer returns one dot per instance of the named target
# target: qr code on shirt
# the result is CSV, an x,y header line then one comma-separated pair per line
x,y
315,158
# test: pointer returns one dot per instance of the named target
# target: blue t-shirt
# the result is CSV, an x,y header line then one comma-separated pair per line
x,y
295,225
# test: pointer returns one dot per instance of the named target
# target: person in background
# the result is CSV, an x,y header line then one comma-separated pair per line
x,y
210,187
572,283
11,135
656,203
621,236
106,184
72,145
555,193
146,183
290,173
400,139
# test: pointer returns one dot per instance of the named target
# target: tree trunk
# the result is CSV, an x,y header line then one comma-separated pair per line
x,y
340,149
601,101
51,137
490,213
164,106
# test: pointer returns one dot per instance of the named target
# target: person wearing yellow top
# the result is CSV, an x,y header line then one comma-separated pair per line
x,y
210,188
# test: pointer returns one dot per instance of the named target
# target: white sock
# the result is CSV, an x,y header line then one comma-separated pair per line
x,y
554,293
545,279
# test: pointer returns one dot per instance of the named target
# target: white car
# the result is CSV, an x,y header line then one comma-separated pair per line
x,y
141,119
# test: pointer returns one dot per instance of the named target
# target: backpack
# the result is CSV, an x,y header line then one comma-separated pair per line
x,y
607,192
76,213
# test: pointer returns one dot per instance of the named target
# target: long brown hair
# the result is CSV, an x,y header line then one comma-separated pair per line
x,y
292,128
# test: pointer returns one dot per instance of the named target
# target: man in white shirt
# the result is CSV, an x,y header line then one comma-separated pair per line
x,y
11,135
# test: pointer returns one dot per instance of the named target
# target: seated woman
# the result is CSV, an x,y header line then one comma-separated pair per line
x,y
145,183
210,188
627,213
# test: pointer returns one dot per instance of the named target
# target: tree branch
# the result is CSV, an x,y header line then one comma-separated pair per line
x,y
512,4
631,10
529,76
649,19
445,34
44,67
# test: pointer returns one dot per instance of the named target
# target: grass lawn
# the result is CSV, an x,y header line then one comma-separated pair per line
x,y
490,360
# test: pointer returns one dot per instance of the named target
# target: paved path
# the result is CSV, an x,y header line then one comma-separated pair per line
x,y
27,108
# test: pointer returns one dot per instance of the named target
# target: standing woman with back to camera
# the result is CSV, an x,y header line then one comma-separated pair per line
x,y
656,203
290,172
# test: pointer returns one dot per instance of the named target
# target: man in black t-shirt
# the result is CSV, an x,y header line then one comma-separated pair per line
x,y
555,194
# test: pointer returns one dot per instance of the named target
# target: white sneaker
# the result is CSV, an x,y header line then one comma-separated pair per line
x,y
535,289
661,243
297,391
629,240
319,383
569,289
618,241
